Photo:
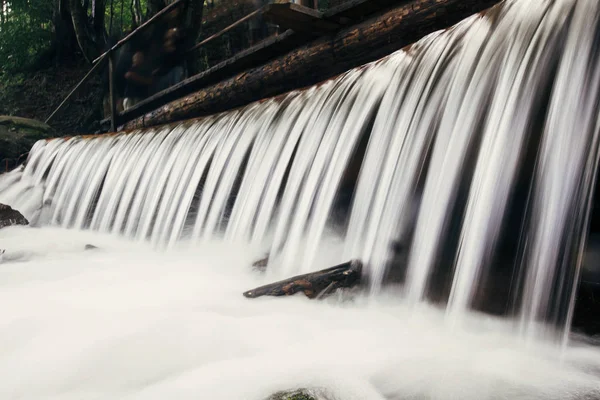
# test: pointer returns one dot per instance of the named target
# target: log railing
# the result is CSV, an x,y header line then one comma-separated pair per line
x,y
108,57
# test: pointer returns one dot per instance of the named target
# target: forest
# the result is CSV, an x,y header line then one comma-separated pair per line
x,y
48,46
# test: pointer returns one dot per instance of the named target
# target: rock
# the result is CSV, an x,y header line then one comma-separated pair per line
x,y
9,217
90,247
302,394
17,136
261,265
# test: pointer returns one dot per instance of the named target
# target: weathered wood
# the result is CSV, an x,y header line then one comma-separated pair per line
x,y
299,18
314,284
321,59
249,58
225,30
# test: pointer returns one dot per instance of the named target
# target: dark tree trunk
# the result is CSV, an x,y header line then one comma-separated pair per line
x,y
90,46
153,7
98,18
112,11
1,13
136,13
64,40
122,8
193,27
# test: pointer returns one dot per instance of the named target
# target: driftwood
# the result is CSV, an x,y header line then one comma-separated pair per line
x,y
321,59
315,284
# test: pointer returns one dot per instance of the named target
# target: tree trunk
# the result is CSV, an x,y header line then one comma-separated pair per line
x,y
136,13
320,60
112,12
88,46
193,27
64,40
98,18
153,7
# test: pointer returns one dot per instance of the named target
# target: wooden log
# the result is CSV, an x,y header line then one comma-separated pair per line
x,y
314,284
249,58
321,59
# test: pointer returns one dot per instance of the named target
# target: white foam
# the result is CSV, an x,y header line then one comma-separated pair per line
x,y
127,322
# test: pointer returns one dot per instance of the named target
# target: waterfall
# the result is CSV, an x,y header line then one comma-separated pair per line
x,y
477,149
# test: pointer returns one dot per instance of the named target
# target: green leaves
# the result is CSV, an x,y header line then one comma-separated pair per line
x,y
25,30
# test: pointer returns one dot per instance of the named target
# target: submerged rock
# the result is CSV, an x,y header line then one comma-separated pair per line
x,y
301,394
9,217
261,265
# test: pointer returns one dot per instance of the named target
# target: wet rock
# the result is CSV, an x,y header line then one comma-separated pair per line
x,y
301,394
17,136
261,265
9,217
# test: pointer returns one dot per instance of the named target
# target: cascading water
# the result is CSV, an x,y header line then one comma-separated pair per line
x,y
496,114
478,149
460,170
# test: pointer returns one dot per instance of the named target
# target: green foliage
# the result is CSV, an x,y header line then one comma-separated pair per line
x,y
25,30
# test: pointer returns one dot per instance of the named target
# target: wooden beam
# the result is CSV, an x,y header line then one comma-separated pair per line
x,y
321,59
299,18
227,29
249,58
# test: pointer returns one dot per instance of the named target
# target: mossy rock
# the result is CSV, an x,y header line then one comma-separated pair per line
x,y
17,136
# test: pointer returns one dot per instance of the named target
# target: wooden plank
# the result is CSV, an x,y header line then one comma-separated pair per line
x,y
299,18
354,11
322,59
258,54
227,29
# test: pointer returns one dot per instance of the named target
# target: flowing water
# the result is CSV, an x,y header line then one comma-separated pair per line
x,y
475,151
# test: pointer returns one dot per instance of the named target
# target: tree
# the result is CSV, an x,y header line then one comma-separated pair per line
x,y
91,35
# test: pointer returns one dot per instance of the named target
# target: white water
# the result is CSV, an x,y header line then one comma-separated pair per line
x,y
128,322
499,113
